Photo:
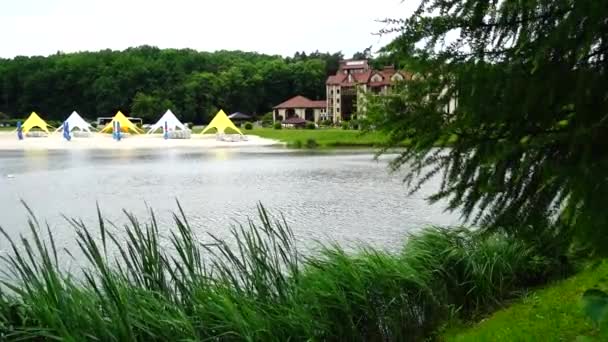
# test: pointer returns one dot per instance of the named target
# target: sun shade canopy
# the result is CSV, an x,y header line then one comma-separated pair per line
x,y
125,124
172,122
221,122
75,121
34,121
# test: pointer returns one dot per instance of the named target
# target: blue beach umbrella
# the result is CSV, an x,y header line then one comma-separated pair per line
x,y
166,132
19,131
66,131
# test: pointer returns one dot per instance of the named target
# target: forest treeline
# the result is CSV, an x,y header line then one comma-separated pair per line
x,y
145,81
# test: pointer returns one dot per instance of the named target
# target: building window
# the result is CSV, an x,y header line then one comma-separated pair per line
x,y
377,78
338,91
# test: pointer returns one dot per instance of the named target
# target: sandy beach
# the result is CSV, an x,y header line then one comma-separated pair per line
x,y
9,141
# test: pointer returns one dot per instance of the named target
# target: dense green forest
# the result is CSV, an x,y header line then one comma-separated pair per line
x,y
144,81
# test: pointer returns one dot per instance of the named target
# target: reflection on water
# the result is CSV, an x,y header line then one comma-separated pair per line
x,y
344,197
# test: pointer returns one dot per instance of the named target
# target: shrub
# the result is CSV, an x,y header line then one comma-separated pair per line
x,y
326,123
267,119
54,123
311,125
277,125
248,126
295,144
345,125
354,124
311,143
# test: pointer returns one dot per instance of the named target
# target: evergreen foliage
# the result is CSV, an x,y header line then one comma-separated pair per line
x,y
527,131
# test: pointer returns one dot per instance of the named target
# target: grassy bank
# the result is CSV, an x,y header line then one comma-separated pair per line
x,y
330,137
257,287
313,138
551,314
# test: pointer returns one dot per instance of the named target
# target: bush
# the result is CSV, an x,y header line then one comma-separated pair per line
x,y
345,125
311,125
248,126
54,123
11,122
354,124
277,125
326,123
295,144
267,119
311,143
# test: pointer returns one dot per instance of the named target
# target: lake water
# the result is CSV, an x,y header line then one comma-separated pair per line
x,y
345,197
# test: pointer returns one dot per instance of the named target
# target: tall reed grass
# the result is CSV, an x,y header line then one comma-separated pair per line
x,y
256,289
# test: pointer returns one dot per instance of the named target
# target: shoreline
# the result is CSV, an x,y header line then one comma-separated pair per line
x,y
98,141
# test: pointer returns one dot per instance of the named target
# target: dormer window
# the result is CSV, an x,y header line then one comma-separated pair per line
x,y
376,78
397,78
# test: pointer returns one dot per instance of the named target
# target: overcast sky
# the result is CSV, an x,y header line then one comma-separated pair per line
x,y
43,27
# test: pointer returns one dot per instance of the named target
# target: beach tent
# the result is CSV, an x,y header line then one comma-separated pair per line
x,y
221,122
34,121
171,121
125,124
75,121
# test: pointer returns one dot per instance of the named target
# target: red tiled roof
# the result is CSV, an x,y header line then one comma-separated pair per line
x,y
365,77
335,79
301,102
357,77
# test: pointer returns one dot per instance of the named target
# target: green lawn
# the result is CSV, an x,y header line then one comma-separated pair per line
x,y
330,137
7,129
550,314
325,137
